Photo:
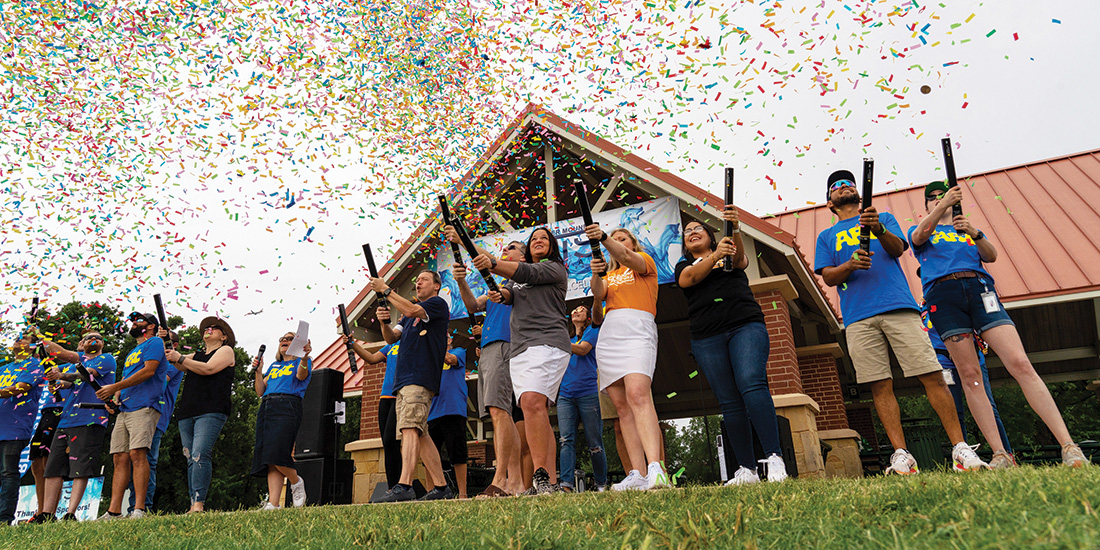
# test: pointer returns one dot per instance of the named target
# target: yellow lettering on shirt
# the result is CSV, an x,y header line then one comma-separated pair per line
x,y
282,370
849,238
7,380
951,237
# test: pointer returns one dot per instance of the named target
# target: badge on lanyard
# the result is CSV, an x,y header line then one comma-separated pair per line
x,y
949,377
989,300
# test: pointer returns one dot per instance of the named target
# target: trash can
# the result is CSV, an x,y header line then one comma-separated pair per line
x,y
926,440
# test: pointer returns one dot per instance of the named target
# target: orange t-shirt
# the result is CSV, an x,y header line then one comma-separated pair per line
x,y
627,291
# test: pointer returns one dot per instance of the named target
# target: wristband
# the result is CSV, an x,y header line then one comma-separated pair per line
x,y
603,236
979,236
492,262
386,293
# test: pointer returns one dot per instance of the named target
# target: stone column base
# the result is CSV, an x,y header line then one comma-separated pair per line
x,y
801,411
843,460
370,468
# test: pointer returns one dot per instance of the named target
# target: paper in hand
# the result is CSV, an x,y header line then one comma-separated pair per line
x,y
298,345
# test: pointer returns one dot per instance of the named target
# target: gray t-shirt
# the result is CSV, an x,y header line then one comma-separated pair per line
x,y
538,307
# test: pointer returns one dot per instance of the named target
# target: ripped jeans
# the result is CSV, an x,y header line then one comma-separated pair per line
x,y
198,434
587,410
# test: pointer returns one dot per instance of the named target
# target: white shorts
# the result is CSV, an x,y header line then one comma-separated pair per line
x,y
627,345
539,369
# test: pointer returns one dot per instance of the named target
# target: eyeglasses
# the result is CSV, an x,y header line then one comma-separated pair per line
x,y
511,247
935,196
286,339
696,229
841,183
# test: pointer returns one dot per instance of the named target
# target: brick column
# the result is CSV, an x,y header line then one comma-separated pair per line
x,y
372,388
821,381
783,375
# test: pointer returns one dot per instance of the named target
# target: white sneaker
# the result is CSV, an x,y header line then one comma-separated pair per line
x,y
901,462
108,517
966,459
776,468
270,506
633,482
656,477
137,514
298,492
743,476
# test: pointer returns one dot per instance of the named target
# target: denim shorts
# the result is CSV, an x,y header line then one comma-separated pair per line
x,y
956,307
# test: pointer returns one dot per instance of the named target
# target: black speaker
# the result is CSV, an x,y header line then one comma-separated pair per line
x,y
328,481
317,435
786,446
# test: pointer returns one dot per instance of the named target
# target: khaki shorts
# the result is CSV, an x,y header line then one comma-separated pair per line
x,y
413,403
607,408
494,385
134,430
867,341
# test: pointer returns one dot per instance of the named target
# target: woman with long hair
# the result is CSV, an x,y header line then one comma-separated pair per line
x,y
281,388
205,402
627,350
539,351
579,402
730,343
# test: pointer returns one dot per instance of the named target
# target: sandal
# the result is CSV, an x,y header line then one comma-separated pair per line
x,y
492,491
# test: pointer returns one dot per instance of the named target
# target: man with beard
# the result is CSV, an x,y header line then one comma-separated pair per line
x,y
878,310
75,453
144,375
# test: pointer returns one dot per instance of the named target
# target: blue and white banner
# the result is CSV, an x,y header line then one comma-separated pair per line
x,y
89,503
655,223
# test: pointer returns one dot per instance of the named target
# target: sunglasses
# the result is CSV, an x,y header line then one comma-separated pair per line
x,y
511,247
93,338
841,183
208,329
286,339
935,196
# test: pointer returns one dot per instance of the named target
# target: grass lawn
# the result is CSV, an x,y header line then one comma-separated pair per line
x,y
1028,507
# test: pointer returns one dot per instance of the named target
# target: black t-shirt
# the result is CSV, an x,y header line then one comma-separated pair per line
x,y
423,344
205,393
719,303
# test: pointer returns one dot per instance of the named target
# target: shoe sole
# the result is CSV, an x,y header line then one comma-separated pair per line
x,y
960,468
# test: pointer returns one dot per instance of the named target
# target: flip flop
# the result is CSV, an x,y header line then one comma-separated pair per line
x,y
492,491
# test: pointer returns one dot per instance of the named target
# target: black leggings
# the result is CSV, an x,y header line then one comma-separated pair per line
x,y
387,424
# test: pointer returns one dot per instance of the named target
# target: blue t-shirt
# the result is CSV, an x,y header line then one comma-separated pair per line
x,y
390,351
580,377
422,346
149,392
946,252
452,389
167,404
17,413
102,368
282,377
937,342
881,288
497,327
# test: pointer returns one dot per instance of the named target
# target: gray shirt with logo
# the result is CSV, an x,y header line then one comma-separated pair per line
x,y
538,306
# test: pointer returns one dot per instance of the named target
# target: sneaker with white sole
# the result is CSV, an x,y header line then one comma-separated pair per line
x,y
107,516
903,463
656,477
743,476
541,482
298,492
775,467
1002,460
634,482
269,506
137,514
1072,456
965,459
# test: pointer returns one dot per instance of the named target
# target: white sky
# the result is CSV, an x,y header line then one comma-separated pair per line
x,y
1026,99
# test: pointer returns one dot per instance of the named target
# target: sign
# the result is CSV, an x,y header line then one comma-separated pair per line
x,y
655,223
89,504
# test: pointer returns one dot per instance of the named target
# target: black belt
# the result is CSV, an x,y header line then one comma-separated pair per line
x,y
280,396
957,275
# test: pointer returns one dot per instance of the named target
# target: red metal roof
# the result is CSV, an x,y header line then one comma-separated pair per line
x,y
335,356
1042,217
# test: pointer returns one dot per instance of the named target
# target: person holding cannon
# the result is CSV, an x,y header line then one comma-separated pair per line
x,y
20,382
962,300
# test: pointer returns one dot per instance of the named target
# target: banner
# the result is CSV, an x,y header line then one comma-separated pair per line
x,y
655,223
89,503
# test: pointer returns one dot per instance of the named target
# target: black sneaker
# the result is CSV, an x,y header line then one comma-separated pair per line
x,y
542,484
67,517
397,493
438,493
40,518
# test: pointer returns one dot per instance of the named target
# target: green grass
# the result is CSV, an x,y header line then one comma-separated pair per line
x,y
1047,507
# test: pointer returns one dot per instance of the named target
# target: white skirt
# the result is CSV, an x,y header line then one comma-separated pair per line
x,y
627,345
539,369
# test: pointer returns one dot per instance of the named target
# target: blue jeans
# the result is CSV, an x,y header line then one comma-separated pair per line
x,y
736,366
587,410
9,477
198,434
154,452
960,402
